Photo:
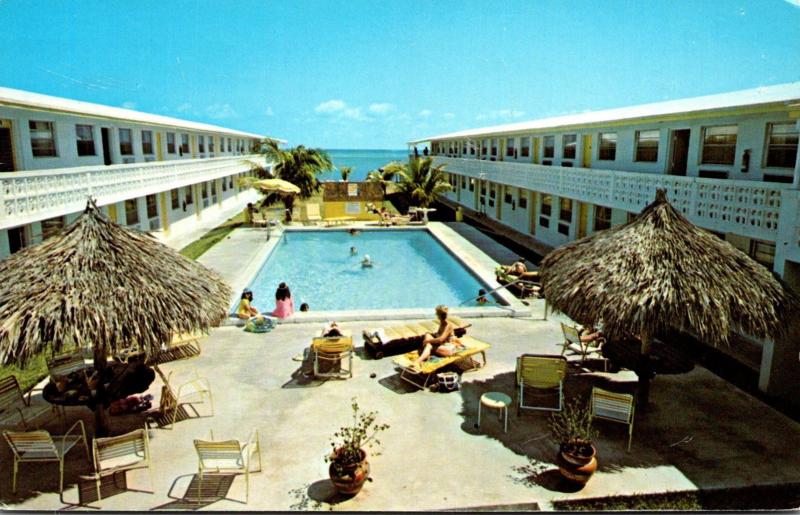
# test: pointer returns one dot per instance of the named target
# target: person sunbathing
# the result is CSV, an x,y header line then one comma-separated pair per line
x,y
331,330
434,343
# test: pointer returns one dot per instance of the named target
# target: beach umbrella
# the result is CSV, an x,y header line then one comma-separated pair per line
x,y
102,286
276,186
660,273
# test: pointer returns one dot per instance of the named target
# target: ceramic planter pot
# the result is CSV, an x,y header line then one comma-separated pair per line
x,y
349,479
576,467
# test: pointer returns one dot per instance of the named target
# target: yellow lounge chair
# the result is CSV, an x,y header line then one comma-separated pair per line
x,y
333,350
420,377
385,340
540,373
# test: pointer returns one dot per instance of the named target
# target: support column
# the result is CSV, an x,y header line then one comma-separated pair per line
x,y
164,212
198,200
796,181
218,182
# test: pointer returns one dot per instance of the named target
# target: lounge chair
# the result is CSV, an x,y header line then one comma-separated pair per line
x,y
181,346
172,401
40,446
122,453
398,338
521,289
15,409
574,346
332,350
420,377
616,407
65,364
312,213
228,457
540,374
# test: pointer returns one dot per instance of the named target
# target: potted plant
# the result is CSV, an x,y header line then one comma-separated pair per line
x,y
571,429
349,467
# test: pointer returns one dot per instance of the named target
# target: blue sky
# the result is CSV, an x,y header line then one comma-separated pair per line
x,y
374,74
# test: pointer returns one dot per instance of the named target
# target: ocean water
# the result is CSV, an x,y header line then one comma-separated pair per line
x,y
362,161
411,270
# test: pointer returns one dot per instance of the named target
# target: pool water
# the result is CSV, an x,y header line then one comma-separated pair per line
x,y
411,270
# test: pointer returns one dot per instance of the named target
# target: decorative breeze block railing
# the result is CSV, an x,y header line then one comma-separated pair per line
x,y
742,207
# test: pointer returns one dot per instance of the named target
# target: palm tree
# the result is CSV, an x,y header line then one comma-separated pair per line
x,y
423,182
298,165
345,171
386,174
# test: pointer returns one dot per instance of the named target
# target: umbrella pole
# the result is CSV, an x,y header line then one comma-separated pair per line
x,y
100,416
644,372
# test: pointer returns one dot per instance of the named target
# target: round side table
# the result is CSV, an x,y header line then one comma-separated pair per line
x,y
497,400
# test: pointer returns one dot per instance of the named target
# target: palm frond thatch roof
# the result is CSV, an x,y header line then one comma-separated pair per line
x,y
661,272
102,285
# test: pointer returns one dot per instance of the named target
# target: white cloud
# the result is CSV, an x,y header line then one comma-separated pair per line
x,y
795,3
501,114
425,113
331,106
381,108
220,111
269,111
183,107
129,105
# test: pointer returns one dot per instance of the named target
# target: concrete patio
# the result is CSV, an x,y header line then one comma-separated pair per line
x,y
698,433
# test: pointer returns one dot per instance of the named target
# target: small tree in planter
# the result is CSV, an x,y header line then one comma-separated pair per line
x,y
571,428
349,467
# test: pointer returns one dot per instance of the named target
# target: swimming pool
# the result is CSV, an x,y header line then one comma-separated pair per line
x,y
411,270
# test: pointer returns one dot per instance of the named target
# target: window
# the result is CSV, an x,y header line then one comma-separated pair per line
x,y
184,144
485,147
84,135
125,142
131,212
211,143
494,146
201,144
782,145
229,144
763,252
213,188
564,215
525,147
545,210
230,183
189,198
712,174
147,142
510,147
549,146
772,177
175,201
51,227
522,199
152,206
719,145
647,146
204,190
472,148
43,143
170,143
224,184
602,218
472,185
569,144
608,146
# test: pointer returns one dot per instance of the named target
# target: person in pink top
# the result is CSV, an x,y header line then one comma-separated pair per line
x,y
284,305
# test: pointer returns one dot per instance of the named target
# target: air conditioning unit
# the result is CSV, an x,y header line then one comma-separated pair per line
x,y
155,224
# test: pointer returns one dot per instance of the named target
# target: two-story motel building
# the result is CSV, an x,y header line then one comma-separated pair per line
x,y
730,164
151,172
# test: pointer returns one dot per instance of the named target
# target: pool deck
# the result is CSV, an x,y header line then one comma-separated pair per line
x,y
239,257
699,432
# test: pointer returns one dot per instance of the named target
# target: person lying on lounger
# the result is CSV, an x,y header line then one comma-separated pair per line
x,y
442,343
331,330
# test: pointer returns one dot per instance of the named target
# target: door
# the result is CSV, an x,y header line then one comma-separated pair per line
x,y
6,150
587,151
679,155
106,146
17,239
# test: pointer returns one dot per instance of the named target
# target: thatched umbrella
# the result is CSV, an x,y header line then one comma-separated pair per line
x,y
659,273
100,285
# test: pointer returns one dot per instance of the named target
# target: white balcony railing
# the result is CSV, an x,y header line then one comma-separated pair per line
x,y
748,208
28,196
